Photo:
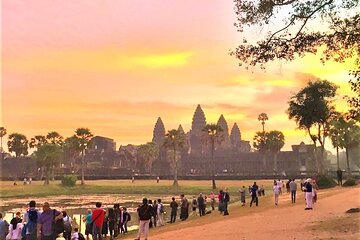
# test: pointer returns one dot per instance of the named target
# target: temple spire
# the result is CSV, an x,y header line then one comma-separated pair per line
x,y
159,132
235,136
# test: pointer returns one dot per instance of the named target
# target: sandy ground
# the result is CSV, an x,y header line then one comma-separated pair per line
x,y
287,221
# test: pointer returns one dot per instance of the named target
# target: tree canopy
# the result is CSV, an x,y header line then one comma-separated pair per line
x,y
294,33
18,144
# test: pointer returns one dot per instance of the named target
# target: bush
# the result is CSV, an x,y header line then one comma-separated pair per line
x,y
69,180
325,181
350,182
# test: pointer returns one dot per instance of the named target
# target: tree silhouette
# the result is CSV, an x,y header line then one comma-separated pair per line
x,y
263,118
18,144
84,136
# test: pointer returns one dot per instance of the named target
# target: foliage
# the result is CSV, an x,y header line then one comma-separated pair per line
x,y
148,153
69,180
325,181
55,138
312,109
37,141
275,141
48,156
354,102
2,134
259,142
350,182
18,143
339,35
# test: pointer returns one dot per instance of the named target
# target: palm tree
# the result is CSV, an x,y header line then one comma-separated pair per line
x,y
275,141
18,144
37,141
213,135
2,134
55,138
174,140
262,118
84,136
149,152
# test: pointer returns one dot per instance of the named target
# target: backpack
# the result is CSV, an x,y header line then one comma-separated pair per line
x,y
81,236
161,208
31,224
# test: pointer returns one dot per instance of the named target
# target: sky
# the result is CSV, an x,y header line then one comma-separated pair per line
x,y
116,66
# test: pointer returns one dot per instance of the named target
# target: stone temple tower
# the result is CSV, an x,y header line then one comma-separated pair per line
x,y
159,133
235,136
225,134
198,124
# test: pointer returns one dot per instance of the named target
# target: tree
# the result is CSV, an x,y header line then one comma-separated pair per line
x,y
275,140
55,138
84,136
213,135
71,148
2,134
259,143
174,141
312,110
345,134
354,102
148,152
37,141
339,35
262,118
47,156
18,144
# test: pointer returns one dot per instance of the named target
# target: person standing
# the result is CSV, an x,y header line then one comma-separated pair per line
x,y
194,205
279,183
184,208
226,201
15,227
242,195
31,216
174,206
67,226
45,222
339,176
293,189
212,200
4,227
154,212
112,222
254,197
88,221
97,218
126,218
276,193
160,213
201,205
308,188
144,212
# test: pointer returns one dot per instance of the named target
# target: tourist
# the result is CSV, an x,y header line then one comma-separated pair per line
x,y
75,234
157,179
67,226
132,179
293,189
280,183
288,186
242,195
254,197
262,190
117,212
15,227
112,221
45,226
105,227
174,206
126,219
30,180
315,188
4,227
276,191
154,213
88,221
194,205
226,201
339,176
201,205
25,180
160,213
212,200
221,201
184,208
308,194
144,212
31,217
153,216
97,218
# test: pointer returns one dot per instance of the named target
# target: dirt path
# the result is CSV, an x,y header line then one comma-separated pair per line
x,y
284,222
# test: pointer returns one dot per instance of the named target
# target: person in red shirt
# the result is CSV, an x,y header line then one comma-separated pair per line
x,y
97,218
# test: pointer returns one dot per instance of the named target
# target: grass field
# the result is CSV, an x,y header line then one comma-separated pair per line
x,y
144,187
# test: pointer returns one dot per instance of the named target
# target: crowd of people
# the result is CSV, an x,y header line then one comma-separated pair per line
x,y
100,223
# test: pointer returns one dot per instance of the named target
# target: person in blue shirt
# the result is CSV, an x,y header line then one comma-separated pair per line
x,y
254,196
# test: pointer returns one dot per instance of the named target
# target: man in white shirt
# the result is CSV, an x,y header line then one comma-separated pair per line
x,y
160,213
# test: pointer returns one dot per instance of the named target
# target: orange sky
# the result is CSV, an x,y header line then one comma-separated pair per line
x,y
115,67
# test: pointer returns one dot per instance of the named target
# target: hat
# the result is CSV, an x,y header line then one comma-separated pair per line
x,y
308,180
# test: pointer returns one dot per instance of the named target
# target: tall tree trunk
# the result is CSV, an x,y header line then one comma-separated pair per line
x,y
275,161
347,162
337,156
47,176
175,170
213,163
41,173
82,167
53,173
